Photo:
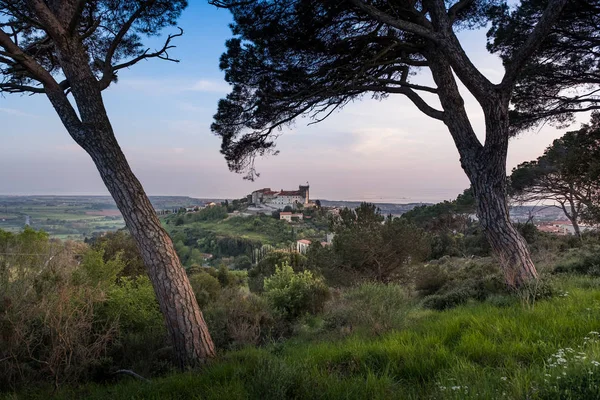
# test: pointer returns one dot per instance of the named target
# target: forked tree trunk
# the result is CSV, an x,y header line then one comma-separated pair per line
x,y
485,166
93,132
487,173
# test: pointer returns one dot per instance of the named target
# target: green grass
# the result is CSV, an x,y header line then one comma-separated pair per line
x,y
471,352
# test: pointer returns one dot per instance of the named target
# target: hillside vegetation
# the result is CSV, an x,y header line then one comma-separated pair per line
x,y
366,317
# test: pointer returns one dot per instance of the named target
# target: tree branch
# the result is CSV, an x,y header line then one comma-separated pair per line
x,y
394,22
534,40
15,88
109,70
50,23
411,94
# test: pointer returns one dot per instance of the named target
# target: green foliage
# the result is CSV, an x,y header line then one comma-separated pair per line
x,y
242,263
294,294
266,267
451,282
372,308
206,287
444,217
215,213
585,260
121,242
376,247
132,302
48,308
238,318
476,351
95,271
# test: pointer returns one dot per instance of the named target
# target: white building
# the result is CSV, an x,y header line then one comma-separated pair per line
x,y
289,216
302,246
282,198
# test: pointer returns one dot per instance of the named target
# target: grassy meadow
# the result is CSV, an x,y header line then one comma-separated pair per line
x,y
502,348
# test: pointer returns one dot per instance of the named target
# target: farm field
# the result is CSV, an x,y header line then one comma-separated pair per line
x,y
72,217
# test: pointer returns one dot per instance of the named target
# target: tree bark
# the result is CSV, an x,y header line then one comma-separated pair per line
x,y
574,216
506,242
487,173
485,166
93,132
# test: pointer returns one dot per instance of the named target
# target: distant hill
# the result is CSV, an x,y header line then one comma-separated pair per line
x,y
386,208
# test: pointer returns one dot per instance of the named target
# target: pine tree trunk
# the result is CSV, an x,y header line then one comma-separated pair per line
x,y
93,132
187,328
506,242
485,166
486,170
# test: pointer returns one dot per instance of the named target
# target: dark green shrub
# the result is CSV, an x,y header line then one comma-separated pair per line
x,y
206,287
266,267
584,260
452,281
133,304
238,318
449,299
295,293
430,278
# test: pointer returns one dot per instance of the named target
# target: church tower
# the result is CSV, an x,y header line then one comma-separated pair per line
x,y
305,192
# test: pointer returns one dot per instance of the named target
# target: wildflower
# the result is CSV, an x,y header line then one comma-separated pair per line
x,y
503,378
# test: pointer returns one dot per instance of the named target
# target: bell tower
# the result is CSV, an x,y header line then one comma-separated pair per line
x,y
304,189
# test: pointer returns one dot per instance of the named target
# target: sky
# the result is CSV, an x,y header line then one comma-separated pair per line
x,y
380,151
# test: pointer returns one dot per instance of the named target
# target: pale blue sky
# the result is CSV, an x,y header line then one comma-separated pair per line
x,y
162,113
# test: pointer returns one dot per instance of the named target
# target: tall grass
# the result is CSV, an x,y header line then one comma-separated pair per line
x,y
477,350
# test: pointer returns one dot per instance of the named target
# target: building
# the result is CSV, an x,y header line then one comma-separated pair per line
x,y
262,196
282,198
290,216
302,246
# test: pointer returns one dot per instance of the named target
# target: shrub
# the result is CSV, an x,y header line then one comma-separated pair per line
x,y
449,299
430,278
142,334
451,281
266,267
132,302
295,293
48,329
238,318
584,260
206,287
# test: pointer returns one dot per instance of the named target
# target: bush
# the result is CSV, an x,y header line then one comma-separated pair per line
x,y
266,267
238,318
132,302
449,299
48,326
451,282
294,294
142,334
584,260
206,287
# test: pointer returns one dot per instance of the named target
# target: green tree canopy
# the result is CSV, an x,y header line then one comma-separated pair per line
x,y
567,174
563,76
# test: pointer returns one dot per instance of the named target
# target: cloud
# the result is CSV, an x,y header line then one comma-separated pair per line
x,y
175,86
212,86
18,113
